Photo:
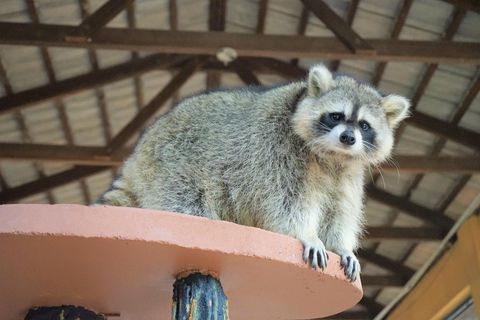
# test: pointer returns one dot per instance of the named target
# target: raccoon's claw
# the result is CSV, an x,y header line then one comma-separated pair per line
x,y
317,251
350,265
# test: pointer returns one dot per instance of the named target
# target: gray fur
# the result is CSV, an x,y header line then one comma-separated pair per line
x,y
257,158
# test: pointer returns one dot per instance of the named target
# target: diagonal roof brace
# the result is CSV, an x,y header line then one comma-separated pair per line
x,y
341,29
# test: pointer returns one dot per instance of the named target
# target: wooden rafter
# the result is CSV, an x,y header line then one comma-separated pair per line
x,y
262,14
408,207
98,19
97,156
342,29
416,234
243,70
91,80
465,4
386,263
188,42
444,129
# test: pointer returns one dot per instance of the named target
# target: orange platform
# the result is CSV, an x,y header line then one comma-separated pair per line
x,y
124,261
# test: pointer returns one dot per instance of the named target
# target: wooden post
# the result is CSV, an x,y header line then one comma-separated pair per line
x,y
198,296
62,312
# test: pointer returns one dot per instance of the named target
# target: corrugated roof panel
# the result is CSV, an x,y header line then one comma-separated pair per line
x,y
51,168
24,67
17,172
427,20
456,149
469,29
436,107
406,220
377,214
99,183
394,249
121,104
59,12
242,16
39,198
193,15
432,189
401,78
153,82
44,125
68,63
394,183
9,130
415,141
374,19
387,295
11,7
152,14
69,193
86,122
108,58
421,254
194,85
283,17
361,70
464,197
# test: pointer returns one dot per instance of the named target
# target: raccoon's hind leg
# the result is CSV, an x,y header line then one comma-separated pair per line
x,y
118,195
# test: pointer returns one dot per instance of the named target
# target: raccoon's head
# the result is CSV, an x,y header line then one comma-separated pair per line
x,y
342,117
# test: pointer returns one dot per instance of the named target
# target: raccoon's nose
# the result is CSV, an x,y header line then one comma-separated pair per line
x,y
347,137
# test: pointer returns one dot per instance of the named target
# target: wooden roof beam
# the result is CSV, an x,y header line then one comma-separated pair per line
x,y
87,81
386,263
189,42
405,205
97,20
465,4
97,156
48,183
445,129
339,27
416,234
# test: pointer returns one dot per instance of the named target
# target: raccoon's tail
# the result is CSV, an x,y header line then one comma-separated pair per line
x,y
117,195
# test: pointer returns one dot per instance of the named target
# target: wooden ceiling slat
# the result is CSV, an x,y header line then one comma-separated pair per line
x,y
341,29
93,79
189,42
350,315
433,164
383,281
277,67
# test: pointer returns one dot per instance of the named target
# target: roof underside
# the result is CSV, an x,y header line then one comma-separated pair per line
x,y
80,79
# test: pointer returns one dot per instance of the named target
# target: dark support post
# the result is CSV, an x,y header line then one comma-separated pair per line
x,y
199,296
64,313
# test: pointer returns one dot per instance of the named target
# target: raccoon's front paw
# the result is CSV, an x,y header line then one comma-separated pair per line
x,y
350,265
316,249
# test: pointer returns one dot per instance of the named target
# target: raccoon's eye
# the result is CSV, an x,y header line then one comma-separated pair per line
x,y
336,116
364,125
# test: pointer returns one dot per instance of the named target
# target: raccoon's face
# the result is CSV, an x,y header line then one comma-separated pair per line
x,y
341,117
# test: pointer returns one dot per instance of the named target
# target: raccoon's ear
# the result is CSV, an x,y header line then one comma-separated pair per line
x,y
320,80
396,109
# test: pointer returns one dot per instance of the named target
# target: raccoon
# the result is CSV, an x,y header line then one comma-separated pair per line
x,y
288,159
